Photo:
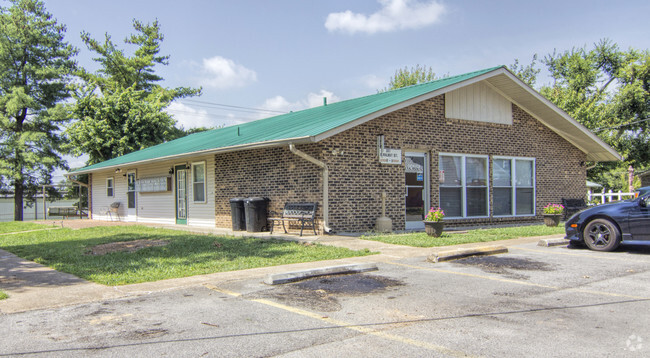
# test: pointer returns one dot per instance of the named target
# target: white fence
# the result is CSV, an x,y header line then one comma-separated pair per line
x,y
606,197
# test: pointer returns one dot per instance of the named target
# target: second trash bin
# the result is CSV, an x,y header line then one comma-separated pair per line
x,y
237,214
255,209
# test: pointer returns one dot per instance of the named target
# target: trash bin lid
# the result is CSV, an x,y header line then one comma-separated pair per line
x,y
236,200
256,199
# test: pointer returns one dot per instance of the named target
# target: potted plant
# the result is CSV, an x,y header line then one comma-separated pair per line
x,y
553,214
433,223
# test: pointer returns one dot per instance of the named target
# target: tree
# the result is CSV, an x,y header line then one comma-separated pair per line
x,y
607,90
405,77
527,73
119,108
35,67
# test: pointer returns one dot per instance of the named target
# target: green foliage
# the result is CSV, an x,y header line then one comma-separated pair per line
x,y
607,90
35,67
3,295
185,254
527,73
119,109
405,77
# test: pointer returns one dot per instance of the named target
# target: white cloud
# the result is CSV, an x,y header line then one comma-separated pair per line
x,y
374,82
222,73
393,15
279,103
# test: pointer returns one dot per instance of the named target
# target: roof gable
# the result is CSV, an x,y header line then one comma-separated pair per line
x,y
315,124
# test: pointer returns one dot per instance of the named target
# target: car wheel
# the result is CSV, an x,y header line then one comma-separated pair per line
x,y
601,235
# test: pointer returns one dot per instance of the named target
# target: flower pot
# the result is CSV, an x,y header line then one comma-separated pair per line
x,y
434,228
552,219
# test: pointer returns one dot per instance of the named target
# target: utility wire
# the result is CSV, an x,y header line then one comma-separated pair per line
x,y
621,125
231,106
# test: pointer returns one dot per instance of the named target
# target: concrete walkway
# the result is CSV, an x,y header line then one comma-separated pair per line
x,y
33,286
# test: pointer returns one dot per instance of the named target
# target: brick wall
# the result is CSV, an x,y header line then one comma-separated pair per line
x,y
275,173
357,178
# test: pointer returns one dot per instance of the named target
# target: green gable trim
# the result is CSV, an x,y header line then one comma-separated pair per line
x,y
298,127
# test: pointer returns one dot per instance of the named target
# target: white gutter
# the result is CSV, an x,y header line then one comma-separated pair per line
x,y
256,145
292,148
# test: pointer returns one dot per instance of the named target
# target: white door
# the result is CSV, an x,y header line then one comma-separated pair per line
x,y
131,197
416,171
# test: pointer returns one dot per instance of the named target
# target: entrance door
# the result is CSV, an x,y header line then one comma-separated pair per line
x,y
131,197
417,189
181,194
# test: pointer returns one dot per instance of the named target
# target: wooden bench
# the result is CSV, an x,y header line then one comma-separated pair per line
x,y
64,211
572,206
302,213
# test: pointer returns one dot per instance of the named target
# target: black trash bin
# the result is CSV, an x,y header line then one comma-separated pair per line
x,y
255,208
237,214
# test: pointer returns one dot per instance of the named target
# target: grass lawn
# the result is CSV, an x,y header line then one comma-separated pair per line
x,y
15,226
185,254
421,239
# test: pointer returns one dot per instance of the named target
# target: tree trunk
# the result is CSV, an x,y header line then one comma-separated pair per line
x,y
18,201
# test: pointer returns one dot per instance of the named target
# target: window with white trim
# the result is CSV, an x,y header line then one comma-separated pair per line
x,y
513,182
464,185
198,182
110,187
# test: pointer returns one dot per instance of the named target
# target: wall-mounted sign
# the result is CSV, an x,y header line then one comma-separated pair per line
x,y
390,156
155,184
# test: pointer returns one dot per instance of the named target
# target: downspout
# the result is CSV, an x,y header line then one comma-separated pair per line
x,y
326,228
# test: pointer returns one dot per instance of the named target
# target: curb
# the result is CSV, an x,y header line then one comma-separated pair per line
x,y
553,242
463,253
279,278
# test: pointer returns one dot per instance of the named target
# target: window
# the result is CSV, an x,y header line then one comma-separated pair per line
x,y
513,180
198,182
464,185
109,187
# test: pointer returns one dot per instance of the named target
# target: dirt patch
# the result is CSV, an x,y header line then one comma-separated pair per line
x,y
125,246
503,265
320,293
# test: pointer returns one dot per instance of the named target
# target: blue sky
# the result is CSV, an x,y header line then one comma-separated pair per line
x,y
287,54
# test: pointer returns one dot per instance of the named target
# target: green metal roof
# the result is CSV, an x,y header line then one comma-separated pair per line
x,y
295,125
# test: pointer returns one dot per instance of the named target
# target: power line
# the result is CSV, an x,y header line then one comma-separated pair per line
x,y
231,106
210,115
621,125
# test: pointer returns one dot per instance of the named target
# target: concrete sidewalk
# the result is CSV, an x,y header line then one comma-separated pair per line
x,y
33,286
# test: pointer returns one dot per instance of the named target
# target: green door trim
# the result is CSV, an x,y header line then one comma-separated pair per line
x,y
180,179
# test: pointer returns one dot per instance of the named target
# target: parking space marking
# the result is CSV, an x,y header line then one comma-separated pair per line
x,y
523,283
599,257
350,326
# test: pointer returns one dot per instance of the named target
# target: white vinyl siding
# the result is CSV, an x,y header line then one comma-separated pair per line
x,y
478,102
100,201
155,207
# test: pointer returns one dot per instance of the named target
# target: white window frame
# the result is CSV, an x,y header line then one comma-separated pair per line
x,y
205,194
463,194
513,185
112,187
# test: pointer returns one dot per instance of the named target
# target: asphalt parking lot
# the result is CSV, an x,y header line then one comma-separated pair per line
x,y
541,301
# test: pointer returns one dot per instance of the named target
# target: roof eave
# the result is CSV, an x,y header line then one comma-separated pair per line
x,y
258,145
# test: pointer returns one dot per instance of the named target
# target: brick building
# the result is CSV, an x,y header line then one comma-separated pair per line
x,y
484,146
